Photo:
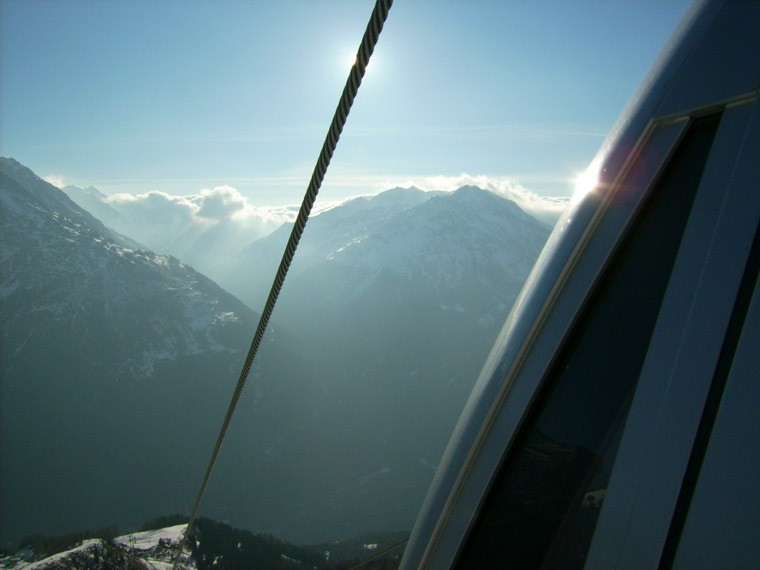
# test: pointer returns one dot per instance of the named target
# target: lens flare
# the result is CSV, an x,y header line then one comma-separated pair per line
x,y
586,181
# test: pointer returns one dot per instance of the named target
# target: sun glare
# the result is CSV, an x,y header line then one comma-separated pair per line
x,y
350,60
586,181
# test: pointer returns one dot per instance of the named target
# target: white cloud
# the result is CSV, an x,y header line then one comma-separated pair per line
x,y
220,203
54,179
204,229
200,229
155,206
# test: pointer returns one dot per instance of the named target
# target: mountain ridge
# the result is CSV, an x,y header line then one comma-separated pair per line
x,y
112,359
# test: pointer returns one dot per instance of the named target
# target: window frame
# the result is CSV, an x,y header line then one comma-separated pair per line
x,y
652,460
512,375
581,362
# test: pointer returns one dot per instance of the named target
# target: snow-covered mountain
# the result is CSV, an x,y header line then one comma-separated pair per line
x,y
149,550
397,316
101,286
249,273
470,238
467,252
95,202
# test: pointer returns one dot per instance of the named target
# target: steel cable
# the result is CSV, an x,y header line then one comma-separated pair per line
x,y
367,46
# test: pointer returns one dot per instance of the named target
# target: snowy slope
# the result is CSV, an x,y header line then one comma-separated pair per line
x,y
48,240
447,243
95,202
249,274
93,554
152,550
151,539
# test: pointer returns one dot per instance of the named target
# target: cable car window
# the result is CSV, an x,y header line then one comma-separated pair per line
x,y
543,504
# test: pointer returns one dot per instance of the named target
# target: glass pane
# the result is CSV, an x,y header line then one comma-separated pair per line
x,y
545,500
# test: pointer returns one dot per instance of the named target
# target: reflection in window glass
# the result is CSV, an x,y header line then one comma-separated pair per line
x,y
545,500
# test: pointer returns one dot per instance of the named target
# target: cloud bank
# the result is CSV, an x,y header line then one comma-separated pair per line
x,y
200,229
220,205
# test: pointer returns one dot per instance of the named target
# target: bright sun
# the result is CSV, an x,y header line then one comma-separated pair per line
x,y
350,59
586,181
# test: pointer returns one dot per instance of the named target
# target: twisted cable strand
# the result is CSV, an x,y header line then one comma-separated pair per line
x,y
366,48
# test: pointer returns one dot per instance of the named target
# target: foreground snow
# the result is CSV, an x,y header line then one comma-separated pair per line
x,y
153,550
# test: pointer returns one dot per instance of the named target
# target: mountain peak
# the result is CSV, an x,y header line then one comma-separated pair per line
x,y
90,191
399,193
22,187
476,193
481,199
14,169
395,198
469,189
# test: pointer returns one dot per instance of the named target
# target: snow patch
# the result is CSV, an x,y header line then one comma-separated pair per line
x,y
227,317
50,561
150,539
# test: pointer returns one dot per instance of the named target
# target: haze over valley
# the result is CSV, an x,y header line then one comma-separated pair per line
x,y
123,335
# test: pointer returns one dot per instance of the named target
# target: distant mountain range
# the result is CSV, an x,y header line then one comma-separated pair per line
x,y
118,363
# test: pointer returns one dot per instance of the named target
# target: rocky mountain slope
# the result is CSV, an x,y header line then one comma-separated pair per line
x,y
117,366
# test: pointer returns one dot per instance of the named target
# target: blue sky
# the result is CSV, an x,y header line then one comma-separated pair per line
x,y
181,95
